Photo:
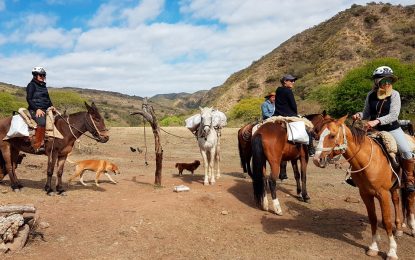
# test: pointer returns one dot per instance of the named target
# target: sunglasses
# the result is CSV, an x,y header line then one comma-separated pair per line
x,y
40,75
384,82
291,80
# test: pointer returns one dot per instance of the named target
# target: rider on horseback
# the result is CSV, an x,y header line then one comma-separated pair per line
x,y
382,108
37,97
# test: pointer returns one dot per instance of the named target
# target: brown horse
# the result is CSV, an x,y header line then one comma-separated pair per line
x,y
370,171
270,143
71,127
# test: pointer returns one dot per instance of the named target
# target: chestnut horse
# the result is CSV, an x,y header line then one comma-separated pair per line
x,y
370,171
270,143
71,127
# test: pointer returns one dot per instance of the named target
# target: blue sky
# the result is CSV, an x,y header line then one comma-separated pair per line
x,y
148,47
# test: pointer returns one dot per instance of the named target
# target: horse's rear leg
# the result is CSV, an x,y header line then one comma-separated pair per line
x,y
211,162
272,181
411,212
387,222
11,170
398,212
217,161
371,212
297,177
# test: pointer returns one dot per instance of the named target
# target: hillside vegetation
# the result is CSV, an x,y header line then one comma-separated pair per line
x,y
321,56
326,58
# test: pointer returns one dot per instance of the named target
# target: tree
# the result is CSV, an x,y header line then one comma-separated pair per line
x,y
349,95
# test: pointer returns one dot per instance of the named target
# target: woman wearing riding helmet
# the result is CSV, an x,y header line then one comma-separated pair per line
x,y
37,97
382,108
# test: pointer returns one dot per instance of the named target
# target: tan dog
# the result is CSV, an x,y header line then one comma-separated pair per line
x,y
99,166
191,167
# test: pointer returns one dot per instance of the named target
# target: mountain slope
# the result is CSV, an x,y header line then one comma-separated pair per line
x,y
323,54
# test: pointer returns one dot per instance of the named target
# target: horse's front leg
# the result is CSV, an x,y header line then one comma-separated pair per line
x,y
217,160
398,212
272,182
206,166
371,212
304,193
211,161
52,158
384,200
59,185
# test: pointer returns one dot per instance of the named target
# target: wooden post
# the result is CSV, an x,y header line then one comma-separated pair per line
x,y
148,114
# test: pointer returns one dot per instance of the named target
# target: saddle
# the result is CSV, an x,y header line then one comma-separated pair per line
x,y
284,121
389,145
51,130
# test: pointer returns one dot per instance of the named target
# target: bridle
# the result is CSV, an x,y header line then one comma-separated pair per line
x,y
96,133
341,148
203,124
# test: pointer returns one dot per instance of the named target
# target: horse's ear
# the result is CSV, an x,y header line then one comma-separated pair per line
x,y
324,113
88,107
342,119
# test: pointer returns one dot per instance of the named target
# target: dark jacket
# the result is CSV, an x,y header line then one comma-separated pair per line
x,y
37,95
379,108
284,102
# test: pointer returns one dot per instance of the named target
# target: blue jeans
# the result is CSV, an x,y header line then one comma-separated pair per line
x,y
403,144
41,121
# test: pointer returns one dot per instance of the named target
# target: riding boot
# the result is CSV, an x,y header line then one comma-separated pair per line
x,y
408,169
311,150
38,140
350,182
283,171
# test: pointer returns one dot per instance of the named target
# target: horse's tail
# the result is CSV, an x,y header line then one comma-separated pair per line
x,y
258,163
241,152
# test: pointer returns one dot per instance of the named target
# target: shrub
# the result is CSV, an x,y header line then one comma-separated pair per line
x,y
252,84
371,20
67,100
349,95
248,110
172,121
9,103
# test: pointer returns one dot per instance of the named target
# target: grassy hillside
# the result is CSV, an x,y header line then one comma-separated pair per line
x,y
322,55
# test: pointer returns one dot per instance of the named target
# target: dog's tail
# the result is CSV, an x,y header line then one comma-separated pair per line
x,y
177,165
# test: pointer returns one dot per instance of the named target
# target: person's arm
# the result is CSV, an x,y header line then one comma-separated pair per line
x,y
30,90
394,111
291,102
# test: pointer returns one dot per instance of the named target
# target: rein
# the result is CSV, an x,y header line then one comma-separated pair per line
x,y
342,148
66,120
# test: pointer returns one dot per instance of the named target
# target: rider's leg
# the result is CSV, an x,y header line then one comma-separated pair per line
x,y
38,139
407,156
311,149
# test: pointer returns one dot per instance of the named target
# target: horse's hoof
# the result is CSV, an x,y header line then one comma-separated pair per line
x,y
398,233
19,186
279,213
391,258
62,193
371,252
50,193
16,190
306,198
212,183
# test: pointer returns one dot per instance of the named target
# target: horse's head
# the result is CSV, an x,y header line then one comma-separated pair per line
x,y
95,123
331,136
206,120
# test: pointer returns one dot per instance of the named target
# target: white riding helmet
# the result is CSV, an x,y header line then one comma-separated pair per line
x,y
38,71
382,71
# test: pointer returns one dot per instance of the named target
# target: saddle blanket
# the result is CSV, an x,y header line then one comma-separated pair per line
x,y
390,142
22,122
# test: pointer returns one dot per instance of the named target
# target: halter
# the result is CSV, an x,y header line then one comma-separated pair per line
x,y
66,120
338,147
342,148
202,126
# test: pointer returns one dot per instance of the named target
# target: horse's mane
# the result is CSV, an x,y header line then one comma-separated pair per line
x,y
358,134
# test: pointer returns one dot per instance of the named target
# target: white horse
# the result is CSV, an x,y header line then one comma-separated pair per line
x,y
208,140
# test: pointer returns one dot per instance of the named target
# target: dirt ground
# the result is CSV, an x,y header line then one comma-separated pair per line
x,y
134,220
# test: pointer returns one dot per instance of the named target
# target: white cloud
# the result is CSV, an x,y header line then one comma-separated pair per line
x,y
146,10
124,52
53,38
2,5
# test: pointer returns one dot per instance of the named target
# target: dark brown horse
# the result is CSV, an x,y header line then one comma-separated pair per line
x,y
270,143
370,171
71,127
